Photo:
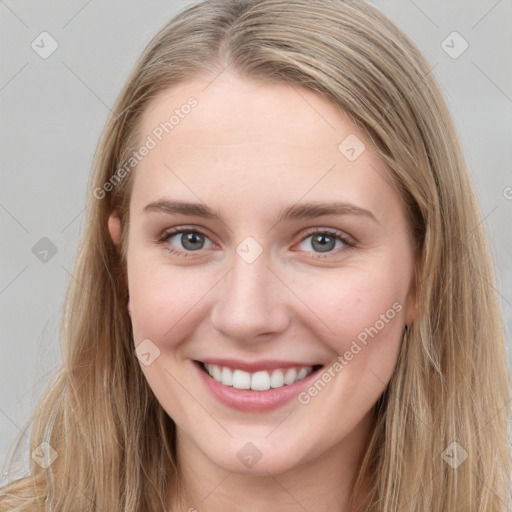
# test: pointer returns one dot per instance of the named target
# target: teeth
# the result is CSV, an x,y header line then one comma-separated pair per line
x,y
277,379
217,373
290,376
258,381
226,377
302,373
241,380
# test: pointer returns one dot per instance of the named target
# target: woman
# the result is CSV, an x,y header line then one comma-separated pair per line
x,y
333,341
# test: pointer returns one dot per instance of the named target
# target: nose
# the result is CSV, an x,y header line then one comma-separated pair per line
x,y
251,302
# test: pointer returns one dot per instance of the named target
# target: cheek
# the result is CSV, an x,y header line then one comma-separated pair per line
x,y
163,300
361,311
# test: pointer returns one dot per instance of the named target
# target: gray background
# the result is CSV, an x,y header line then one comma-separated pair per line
x,y
53,111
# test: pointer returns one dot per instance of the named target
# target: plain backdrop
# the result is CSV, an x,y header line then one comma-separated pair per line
x,y
53,110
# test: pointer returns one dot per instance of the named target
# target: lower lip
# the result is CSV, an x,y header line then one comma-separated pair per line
x,y
253,401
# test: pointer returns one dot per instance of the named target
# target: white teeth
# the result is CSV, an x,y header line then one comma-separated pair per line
x,y
277,379
217,374
241,379
303,372
227,377
290,376
260,381
257,381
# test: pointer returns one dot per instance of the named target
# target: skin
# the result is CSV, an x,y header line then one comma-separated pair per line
x,y
248,150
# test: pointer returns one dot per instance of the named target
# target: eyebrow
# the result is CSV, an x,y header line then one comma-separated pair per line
x,y
296,211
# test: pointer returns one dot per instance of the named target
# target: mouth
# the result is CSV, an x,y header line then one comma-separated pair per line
x,y
261,380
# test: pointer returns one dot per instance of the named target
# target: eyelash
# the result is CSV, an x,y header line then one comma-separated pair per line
x,y
348,242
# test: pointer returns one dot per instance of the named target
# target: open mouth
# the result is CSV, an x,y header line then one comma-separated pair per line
x,y
263,380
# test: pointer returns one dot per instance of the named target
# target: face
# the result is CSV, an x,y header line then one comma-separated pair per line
x,y
266,247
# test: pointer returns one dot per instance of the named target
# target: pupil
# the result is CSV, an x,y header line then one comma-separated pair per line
x,y
189,240
324,247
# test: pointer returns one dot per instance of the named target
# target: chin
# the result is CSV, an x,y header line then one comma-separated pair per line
x,y
257,457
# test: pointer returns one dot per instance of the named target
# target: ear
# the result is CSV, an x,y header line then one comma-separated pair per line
x,y
114,227
411,309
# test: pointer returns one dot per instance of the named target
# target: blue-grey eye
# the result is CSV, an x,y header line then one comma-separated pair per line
x,y
322,242
190,240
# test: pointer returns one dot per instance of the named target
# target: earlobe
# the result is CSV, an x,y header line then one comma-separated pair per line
x,y
114,227
412,311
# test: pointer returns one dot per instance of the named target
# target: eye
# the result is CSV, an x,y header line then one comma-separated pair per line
x,y
190,240
325,241
185,240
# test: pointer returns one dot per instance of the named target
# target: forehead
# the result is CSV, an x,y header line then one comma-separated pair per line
x,y
245,136
234,110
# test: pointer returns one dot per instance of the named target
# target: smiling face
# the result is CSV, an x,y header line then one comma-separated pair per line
x,y
259,286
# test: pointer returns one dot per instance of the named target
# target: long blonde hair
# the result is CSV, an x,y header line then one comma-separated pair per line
x,y
116,445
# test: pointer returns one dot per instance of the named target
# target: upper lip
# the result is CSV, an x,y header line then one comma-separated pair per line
x,y
255,366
